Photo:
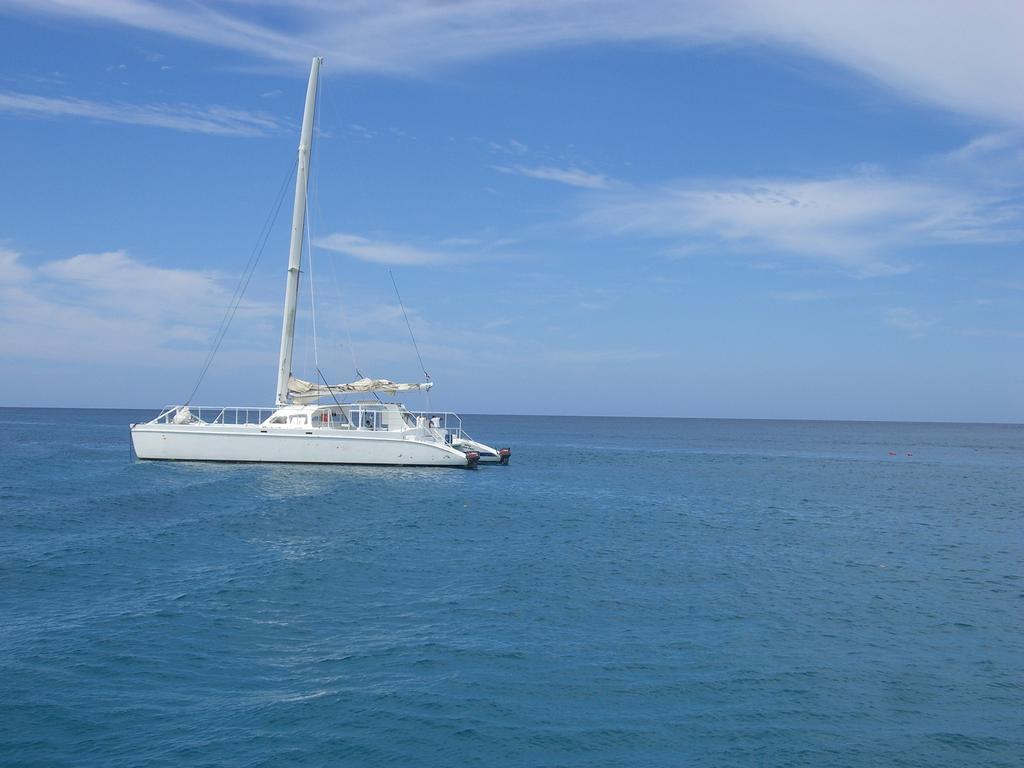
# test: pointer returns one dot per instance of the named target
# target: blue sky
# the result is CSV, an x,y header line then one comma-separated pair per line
x,y
771,209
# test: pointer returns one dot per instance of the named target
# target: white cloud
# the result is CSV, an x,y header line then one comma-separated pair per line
x,y
114,279
110,307
216,120
994,159
380,338
389,252
146,330
794,297
908,320
960,56
861,223
510,147
988,144
561,356
192,21
574,177
11,271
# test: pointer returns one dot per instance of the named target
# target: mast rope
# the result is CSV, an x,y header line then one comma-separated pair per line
x,y
312,294
411,336
324,380
329,100
243,282
409,326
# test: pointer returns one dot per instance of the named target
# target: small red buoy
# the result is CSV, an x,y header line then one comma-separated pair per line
x,y
892,453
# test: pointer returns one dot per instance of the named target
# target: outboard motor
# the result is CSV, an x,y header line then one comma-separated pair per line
x,y
504,455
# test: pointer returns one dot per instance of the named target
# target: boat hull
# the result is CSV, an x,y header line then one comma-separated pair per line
x,y
488,455
251,443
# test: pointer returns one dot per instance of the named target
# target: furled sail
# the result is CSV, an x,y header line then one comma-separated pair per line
x,y
303,390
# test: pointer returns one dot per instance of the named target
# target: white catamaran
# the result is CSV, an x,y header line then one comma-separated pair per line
x,y
302,429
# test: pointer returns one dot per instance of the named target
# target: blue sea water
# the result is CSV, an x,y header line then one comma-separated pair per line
x,y
629,592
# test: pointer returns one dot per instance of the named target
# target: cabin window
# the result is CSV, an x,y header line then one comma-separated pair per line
x,y
370,420
297,420
278,420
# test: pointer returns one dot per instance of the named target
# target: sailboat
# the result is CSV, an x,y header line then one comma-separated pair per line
x,y
301,427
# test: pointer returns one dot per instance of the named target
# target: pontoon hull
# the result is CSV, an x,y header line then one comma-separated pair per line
x,y
251,443
488,455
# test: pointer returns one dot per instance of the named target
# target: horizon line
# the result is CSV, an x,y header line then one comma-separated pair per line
x,y
948,422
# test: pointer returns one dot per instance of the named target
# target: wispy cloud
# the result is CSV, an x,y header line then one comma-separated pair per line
x,y
987,145
121,314
11,270
462,242
574,177
378,331
104,277
960,56
192,21
799,297
995,159
564,356
109,306
382,251
361,131
447,251
215,120
510,147
863,223
908,320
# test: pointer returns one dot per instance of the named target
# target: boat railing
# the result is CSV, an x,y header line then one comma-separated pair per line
x,y
363,416
450,423
200,414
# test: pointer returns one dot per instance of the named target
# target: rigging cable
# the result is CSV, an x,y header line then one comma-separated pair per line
x,y
408,325
312,295
335,399
411,336
328,99
243,283
345,320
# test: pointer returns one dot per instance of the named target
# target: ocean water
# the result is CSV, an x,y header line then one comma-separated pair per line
x,y
629,592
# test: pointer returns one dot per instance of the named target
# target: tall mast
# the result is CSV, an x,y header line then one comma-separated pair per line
x,y
291,294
